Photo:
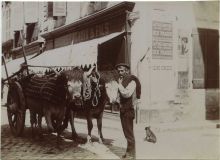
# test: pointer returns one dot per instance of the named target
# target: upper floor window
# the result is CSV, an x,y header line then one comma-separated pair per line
x,y
57,10
17,39
88,8
32,32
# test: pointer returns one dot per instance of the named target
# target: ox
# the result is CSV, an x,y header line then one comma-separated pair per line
x,y
48,97
103,89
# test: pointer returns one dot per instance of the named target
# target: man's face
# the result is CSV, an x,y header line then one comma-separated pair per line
x,y
122,71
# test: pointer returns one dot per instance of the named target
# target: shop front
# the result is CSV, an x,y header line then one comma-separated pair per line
x,y
102,38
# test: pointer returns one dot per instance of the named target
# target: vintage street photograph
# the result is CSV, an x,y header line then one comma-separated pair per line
x,y
110,80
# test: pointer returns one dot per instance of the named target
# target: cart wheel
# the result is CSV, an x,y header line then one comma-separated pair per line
x,y
16,109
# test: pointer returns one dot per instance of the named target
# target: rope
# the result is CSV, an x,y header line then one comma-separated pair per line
x,y
97,93
86,87
87,90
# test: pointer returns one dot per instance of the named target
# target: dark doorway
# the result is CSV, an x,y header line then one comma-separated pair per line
x,y
206,68
111,52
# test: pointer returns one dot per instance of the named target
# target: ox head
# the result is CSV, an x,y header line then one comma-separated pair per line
x,y
111,86
74,86
81,85
75,90
112,92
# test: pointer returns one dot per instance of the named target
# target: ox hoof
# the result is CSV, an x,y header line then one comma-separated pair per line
x,y
101,140
89,139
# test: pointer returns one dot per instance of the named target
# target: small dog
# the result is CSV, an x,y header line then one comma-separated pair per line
x,y
150,136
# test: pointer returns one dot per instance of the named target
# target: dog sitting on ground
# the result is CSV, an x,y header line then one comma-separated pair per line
x,y
150,136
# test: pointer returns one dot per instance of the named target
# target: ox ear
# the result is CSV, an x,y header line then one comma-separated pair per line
x,y
62,79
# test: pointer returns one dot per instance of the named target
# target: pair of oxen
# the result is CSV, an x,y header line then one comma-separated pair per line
x,y
83,94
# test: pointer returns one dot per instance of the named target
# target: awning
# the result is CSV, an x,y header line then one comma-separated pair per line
x,y
14,66
84,53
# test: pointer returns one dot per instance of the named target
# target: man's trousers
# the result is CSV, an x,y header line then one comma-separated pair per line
x,y
127,118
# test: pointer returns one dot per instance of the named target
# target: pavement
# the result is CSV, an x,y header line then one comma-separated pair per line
x,y
178,140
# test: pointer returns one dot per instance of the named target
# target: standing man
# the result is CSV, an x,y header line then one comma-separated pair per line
x,y
127,86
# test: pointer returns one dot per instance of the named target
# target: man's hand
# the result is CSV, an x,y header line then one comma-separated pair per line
x,y
137,101
120,80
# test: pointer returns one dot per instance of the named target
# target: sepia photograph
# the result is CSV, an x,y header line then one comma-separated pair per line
x,y
118,80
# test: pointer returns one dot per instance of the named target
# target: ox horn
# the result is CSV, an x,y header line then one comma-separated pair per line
x,y
90,71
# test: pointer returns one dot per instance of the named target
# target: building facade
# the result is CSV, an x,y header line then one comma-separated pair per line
x,y
177,60
173,47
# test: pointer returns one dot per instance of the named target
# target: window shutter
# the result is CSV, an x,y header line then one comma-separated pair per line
x,y
59,9
50,9
35,33
17,38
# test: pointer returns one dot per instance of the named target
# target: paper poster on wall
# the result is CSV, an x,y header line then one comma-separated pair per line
x,y
183,44
162,71
162,40
182,80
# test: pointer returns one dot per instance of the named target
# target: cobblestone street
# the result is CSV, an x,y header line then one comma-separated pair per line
x,y
27,148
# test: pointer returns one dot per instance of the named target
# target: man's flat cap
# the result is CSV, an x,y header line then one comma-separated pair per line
x,y
123,64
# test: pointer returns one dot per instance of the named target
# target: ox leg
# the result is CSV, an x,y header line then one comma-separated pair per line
x,y
99,124
74,134
66,120
33,122
49,122
58,134
90,126
58,140
39,121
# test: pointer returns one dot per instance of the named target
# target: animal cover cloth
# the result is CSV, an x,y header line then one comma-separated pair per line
x,y
43,89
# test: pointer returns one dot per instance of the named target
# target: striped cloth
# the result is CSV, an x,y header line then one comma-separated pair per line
x,y
43,89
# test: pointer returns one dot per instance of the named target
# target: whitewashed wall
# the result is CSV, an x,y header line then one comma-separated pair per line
x,y
157,85
73,12
160,86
